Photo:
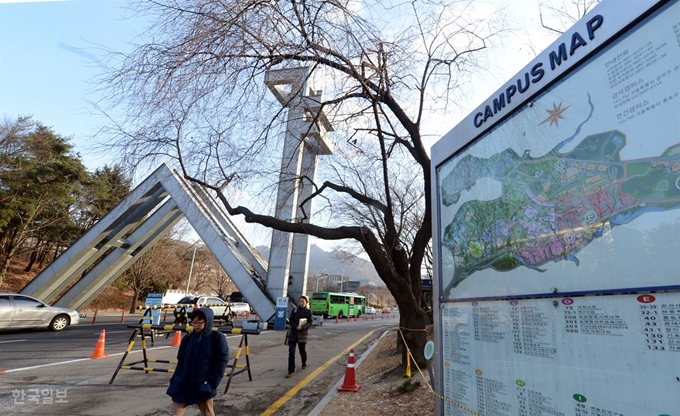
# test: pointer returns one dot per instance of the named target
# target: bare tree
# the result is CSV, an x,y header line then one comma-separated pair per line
x,y
193,92
161,267
221,283
559,15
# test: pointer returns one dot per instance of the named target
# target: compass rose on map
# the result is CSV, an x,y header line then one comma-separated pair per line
x,y
555,114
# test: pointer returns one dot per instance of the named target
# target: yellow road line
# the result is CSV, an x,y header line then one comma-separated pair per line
x,y
292,392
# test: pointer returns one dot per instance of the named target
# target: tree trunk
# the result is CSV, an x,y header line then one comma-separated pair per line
x,y
31,262
8,258
133,305
56,253
5,265
43,255
412,326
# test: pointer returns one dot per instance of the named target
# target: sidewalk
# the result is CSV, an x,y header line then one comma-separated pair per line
x,y
334,390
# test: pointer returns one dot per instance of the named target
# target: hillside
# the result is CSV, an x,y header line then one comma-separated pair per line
x,y
111,299
337,263
321,262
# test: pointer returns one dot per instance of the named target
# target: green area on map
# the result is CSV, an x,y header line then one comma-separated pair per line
x,y
554,205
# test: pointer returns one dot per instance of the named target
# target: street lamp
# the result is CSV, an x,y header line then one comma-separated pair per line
x,y
191,269
342,273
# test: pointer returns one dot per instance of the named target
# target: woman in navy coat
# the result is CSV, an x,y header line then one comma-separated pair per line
x,y
298,334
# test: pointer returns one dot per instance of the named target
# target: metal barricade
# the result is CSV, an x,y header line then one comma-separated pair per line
x,y
140,328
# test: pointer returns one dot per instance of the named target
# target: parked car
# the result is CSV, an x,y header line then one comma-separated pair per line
x,y
236,297
240,308
21,311
370,310
218,306
386,310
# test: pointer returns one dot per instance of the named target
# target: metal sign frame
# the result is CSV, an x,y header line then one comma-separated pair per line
x,y
604,25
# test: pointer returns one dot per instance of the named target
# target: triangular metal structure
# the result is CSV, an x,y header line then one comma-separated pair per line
x,y
134,226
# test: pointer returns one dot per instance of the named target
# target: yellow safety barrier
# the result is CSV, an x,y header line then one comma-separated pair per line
x,y
141,327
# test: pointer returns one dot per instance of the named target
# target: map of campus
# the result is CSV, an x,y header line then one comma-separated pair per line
x,y
552,206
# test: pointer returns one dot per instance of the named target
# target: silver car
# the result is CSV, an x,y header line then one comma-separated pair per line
x,y
21,311
186,305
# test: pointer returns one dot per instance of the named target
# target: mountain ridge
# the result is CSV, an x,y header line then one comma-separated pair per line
x,y
337,263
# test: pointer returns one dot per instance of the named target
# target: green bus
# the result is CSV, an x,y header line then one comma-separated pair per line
x,y
337,304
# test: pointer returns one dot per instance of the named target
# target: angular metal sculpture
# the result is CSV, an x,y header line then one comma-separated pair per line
x,y
165,197
134,226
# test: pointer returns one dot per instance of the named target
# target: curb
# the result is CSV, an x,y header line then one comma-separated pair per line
x,y
334,390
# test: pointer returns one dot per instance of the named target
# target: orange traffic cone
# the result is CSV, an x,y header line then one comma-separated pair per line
x,y
99,348
337,319
349,384
177,338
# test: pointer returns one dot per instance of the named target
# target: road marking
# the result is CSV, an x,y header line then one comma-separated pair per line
x,y
14,340
334,390
15,370
44,365
292,392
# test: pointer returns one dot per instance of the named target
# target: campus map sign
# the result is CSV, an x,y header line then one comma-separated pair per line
x,y
575,194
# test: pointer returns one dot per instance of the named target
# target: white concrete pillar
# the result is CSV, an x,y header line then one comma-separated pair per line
x,y
300,253
305,140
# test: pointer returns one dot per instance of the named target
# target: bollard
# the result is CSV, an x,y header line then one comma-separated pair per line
x,y
94,318
122,318
408,363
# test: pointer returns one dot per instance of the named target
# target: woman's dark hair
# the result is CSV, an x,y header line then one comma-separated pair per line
x,y
197,314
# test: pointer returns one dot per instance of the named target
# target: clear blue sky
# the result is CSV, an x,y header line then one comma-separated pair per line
x,y
50,53
48,56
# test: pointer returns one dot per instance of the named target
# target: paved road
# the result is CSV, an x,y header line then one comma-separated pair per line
x,y
52,364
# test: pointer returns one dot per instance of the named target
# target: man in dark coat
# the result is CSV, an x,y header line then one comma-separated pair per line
x,y
300,321
201,360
